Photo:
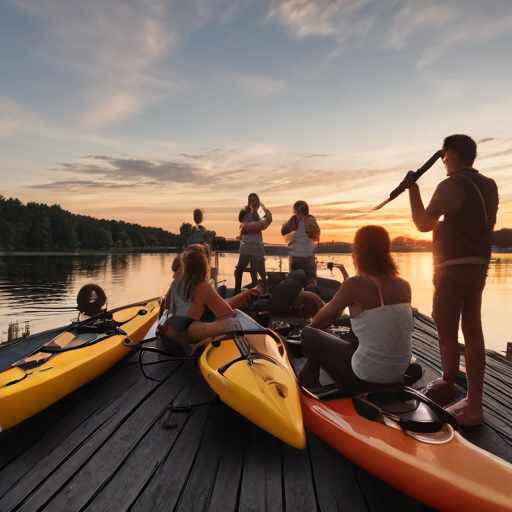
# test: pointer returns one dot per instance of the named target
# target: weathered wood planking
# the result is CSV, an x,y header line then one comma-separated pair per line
x,y
497,398
104,448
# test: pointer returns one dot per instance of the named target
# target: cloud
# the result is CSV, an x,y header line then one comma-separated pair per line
x,y
497,153
127,172
341,19
78,184
486,139
438,25
318,156
116,49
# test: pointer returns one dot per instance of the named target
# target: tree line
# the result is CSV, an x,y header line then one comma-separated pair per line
x,y
38,227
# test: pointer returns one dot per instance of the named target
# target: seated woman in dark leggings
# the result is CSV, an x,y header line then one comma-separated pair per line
x,y
377,352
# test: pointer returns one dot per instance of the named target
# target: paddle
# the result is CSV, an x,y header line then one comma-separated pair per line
x,y
422,170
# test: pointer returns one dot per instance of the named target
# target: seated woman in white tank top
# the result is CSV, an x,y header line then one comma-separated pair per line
x,y
382,321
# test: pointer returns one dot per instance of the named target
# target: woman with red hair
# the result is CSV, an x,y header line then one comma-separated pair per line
x,y
381,317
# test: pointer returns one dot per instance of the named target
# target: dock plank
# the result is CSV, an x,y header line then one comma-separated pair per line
x,y
261,487
199,487
164,490
47,475
22,455
336,484
123,486
229,473
299,484
90,467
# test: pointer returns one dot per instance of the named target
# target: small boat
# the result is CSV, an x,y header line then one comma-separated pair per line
x,y
78,355
402,437
248,369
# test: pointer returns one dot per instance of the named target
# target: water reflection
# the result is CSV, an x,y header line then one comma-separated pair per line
x,y
42,288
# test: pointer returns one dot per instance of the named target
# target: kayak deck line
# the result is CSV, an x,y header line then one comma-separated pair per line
x,y
103,448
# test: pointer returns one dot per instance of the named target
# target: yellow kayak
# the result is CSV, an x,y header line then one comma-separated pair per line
x,y
78,355
249,369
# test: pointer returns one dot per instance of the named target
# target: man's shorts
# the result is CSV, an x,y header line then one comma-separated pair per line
x,y
458,290
307,264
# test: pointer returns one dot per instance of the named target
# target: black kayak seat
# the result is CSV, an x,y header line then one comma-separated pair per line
x,y
327,288
284,294
342,321
411,410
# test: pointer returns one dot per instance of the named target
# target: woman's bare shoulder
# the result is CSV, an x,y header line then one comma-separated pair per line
x,y
403,282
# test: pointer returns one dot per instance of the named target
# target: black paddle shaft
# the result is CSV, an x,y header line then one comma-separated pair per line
x,y
417,175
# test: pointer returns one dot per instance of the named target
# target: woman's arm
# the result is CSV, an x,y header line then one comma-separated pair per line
x,y
290,225
256,227
334,309
268,215
206,296
241,298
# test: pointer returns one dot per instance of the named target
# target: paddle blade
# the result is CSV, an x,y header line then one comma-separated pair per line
x,y
379,206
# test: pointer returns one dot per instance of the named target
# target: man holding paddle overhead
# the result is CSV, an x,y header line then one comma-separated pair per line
x,y
462,215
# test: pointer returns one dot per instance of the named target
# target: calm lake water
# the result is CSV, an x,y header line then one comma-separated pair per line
x,y
42,289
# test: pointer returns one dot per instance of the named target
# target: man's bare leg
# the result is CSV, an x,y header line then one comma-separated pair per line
x,y
448,332
443,391
469,412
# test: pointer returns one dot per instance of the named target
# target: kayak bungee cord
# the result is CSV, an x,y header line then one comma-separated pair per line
x,y
422,170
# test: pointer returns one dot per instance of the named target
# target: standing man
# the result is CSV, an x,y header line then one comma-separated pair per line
x,y
462,251
303,233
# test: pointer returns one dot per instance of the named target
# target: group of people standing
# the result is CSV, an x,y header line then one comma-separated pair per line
x,y
461,214
301,231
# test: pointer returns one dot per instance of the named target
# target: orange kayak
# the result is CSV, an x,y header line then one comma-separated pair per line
x,y
440,468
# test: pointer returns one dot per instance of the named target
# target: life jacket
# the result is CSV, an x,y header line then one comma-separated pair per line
x,y
467,232
312,227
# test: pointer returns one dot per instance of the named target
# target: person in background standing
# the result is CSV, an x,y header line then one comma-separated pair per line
x,y
199,234
303,234
462,251
252,249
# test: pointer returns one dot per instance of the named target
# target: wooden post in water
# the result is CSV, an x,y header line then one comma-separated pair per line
x,y
509,350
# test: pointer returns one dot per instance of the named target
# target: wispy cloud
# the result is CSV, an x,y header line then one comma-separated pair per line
x,y
395,23
117,48
126,172
497,153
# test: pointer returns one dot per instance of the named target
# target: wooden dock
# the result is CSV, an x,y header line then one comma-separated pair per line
x,y
115,445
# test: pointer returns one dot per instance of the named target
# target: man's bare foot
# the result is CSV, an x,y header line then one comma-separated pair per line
x,y
465,414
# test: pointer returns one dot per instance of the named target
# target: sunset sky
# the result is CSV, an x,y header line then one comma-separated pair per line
x,y
143,110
